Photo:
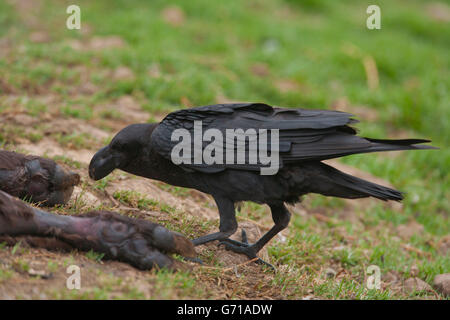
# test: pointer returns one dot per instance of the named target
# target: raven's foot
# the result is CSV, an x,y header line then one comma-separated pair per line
x,y
195,260
244,248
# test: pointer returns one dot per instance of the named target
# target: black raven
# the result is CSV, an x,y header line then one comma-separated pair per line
x,y
305,137
36,179
140,243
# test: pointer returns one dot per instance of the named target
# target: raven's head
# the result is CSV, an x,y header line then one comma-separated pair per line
x,y
122,150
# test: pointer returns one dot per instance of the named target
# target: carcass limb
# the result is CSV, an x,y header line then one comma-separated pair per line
x,y
140,243
39,180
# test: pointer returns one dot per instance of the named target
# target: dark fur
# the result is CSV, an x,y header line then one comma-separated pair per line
x,y
141,243
35,179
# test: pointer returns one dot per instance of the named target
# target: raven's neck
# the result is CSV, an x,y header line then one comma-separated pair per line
x,y
150,164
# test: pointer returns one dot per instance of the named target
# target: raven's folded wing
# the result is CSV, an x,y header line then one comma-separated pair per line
x,y
304,135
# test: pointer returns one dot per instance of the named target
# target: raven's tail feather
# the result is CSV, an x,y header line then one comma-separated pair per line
x,y
340,184
398,144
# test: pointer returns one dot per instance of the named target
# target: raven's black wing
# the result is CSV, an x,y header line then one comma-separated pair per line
x,y
304,135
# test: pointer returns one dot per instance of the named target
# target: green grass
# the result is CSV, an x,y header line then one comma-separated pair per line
x,y
249,51
95,256
75,140
68,161
136,200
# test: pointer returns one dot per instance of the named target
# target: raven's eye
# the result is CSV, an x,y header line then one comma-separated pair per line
x,y
117,145
125,146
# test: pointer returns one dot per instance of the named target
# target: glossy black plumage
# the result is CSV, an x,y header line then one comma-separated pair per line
x,y
306,137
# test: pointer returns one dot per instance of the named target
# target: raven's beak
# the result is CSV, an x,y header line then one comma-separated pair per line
x,y
104,162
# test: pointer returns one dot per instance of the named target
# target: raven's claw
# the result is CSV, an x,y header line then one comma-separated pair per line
x,y
244,248
195,260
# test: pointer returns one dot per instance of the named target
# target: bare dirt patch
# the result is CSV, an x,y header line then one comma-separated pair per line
x,y
97,43
51,148
174,16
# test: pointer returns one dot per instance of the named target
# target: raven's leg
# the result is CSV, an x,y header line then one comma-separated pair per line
x,y
228,223
280,216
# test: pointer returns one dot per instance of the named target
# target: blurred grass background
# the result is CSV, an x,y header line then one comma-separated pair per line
x,y
292,53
